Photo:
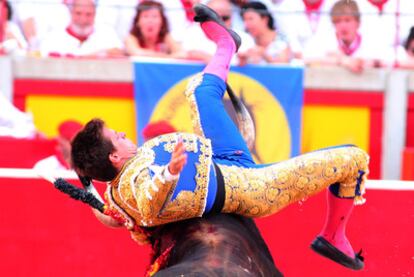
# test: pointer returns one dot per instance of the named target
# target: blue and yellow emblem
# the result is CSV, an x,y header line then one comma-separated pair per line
x,y
273,96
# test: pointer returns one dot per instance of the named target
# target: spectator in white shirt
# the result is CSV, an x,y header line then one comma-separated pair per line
x,y
237,20
300,20
347,47
406,53
13,41
270,45
39,17
380,15
117,14
82,37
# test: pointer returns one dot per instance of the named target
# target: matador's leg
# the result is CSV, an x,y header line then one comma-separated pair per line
x,y
206,90
267,189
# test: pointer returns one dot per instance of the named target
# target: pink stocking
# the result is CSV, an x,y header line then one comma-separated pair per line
x,y
220,63
339,211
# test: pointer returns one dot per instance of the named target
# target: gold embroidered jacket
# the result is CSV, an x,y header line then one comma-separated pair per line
x,y
141,194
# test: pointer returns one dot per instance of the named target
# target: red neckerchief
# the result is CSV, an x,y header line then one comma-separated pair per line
x,y
349,50
188,8
312,7
78,37
379,4
3,21
312,11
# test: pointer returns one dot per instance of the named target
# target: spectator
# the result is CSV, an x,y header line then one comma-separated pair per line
x,y
82,38
347,47
11,40
120,14
117,14
180,16
15,123
271,46
405,20
61,160
38,18
406,53
380,15
237,20
155,129
150,35
300,20
199,47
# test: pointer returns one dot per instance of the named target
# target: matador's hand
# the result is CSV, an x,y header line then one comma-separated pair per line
x,y
178,159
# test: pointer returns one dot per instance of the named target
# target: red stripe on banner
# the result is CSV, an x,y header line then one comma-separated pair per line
x,y
25,87
344,98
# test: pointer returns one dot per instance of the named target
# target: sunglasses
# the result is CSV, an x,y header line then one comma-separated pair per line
x,y
225,17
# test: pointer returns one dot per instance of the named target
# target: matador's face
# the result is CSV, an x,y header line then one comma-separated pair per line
x,y
124,147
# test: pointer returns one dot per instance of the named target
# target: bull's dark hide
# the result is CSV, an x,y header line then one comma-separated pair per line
x,y
220,245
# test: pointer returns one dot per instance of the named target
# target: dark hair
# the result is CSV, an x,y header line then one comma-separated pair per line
x,y
345,7
410,38
261,9
9,10
144,6
90,153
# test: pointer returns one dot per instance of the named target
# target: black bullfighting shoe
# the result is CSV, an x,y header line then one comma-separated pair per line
x,y
326,249
204,14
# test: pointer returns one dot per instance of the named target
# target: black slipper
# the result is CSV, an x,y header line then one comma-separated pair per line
x,y
204,14
326,249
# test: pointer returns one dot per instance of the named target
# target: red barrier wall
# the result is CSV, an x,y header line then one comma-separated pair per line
x,y
44,233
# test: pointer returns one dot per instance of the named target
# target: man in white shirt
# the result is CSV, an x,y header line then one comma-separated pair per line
x,y
82,37
301,20
39,17
12,41
347,46
379,21
118,14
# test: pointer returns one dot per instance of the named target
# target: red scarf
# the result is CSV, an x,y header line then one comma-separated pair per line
x,y
350,49
188,8
312,6
75,35
379,4
312,10
3,21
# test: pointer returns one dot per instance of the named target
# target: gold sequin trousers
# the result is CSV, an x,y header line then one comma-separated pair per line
x,y
255,192
258,190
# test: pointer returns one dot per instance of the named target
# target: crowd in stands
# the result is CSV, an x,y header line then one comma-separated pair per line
x,y
355,34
